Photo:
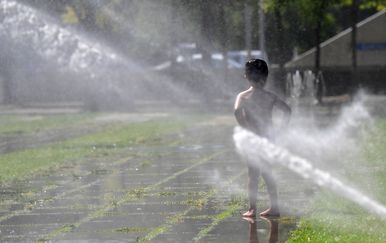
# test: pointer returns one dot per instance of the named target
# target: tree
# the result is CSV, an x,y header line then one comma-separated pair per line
x,y
280,52
354,20
6,70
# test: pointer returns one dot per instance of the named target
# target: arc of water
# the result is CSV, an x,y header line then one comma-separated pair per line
x,y
252,147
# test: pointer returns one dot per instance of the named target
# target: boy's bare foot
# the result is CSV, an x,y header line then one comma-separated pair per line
x,y
270,212
251,213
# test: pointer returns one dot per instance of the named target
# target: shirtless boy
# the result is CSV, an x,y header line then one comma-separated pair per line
x,y
253,111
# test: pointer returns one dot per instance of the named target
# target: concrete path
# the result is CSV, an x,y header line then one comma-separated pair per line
x,y
189,190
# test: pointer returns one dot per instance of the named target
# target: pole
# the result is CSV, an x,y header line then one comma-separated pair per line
x,y
262,29
354,20
248,28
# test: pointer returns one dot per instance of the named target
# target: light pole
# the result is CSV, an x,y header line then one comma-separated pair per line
x,y
261,29
248,28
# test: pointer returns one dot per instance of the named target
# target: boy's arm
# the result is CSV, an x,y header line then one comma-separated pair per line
x,y
285,109
240,117
240,112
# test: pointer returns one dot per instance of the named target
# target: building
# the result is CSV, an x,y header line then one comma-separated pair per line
x,y
336,57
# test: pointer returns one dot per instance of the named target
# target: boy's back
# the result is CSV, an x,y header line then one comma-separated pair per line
x,y
256,106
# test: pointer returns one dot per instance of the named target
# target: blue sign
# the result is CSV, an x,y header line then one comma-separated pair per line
x,y
371,46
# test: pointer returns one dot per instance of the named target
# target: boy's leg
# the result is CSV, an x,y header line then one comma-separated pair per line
x,y
273,210
253,179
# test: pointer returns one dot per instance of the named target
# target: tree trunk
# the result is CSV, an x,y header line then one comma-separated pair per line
x,y
354,20
319,19
6,76
248,28
206,39
261,28
279,82
223,40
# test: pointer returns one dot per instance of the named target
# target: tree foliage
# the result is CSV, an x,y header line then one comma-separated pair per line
x,y
154,28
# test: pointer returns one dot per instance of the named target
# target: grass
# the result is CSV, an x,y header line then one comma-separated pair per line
x,y
128,230
333,219
18,125
19,164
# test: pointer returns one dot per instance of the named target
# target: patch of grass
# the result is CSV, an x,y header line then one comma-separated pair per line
x,y
137,193
101,172
239,199
334,219
146,163
68,228
19,164
129,230
197,217
154,233
22,124
189,202
167,194
43,240
200,193
189,193
339,228
196,202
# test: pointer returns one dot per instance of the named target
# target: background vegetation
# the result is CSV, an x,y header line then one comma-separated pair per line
x,y
151,30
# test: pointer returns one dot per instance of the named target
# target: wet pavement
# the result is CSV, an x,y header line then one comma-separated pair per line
x,y
190,189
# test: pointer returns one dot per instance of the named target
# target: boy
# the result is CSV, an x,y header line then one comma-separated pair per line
x,y
253,111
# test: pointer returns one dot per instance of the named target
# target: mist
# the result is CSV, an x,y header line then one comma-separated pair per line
x,y
45,61
322,154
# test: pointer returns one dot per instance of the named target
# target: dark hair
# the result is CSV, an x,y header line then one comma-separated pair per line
x,y
256,70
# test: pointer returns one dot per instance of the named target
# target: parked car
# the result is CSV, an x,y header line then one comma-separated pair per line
x,y
236,59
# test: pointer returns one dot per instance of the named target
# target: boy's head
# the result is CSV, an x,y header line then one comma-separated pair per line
x,y
256,71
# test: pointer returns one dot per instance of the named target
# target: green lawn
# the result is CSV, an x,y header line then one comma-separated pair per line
x,y
113,139
333,219
26,124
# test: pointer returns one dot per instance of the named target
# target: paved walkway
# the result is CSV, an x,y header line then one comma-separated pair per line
x,y
188,190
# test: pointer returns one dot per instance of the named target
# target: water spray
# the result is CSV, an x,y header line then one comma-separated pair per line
x,y
97,73
257,149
